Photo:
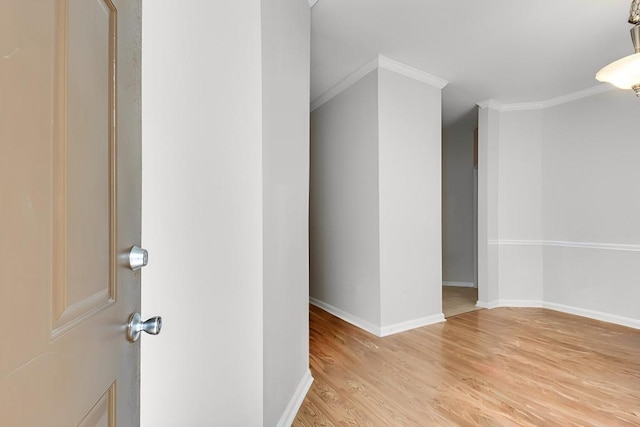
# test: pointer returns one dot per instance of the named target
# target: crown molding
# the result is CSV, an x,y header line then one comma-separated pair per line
x,y
345,83
541,105
490,104
378,62
413,73
312,3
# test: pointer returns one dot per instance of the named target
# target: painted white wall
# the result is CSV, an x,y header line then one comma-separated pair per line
x,y
285,169
591,154
520,205
202,213
488,225
220,219
567,210
375,212
409,114
344,227
457,205
520,183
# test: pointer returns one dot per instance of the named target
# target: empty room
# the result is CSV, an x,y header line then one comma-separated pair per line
x,y
319,213
469,144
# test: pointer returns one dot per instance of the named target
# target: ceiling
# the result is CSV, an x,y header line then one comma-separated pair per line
x,y
512,51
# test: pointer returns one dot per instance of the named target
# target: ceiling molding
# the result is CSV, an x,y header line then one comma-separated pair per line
x,y
345,83
574,96
312,3
413,73
541,105
378,62
491,104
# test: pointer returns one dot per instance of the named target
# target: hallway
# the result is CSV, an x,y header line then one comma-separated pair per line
x,y
458,300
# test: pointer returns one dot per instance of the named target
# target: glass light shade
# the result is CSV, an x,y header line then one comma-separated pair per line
x,y
623,73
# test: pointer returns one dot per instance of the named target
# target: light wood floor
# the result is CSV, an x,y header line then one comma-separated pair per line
x,y
501,367
458,300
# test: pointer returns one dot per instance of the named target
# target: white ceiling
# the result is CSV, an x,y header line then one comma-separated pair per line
x,y
513,51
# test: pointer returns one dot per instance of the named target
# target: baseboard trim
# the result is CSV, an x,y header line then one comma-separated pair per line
x,y
411,324
459,284
596,315
488,305
347,317
520,303
379,331
510,303
296,400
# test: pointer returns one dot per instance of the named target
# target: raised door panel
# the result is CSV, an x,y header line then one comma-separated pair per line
x,y
85,163
69,211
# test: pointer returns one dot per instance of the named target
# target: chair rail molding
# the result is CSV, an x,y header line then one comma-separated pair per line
x,y
568,244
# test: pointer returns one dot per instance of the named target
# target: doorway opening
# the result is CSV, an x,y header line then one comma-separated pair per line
x,y
460,216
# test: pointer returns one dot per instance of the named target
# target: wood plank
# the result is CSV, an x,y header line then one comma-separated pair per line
x,y
501,367
458,300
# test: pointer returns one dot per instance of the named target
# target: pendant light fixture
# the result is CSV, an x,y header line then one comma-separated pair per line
x,y
625,73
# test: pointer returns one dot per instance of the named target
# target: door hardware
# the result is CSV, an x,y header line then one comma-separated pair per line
x,y
138,258
136,326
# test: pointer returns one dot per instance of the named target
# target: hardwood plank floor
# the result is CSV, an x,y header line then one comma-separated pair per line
x,y
501,367
458,300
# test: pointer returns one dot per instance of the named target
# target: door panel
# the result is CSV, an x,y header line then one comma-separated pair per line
x,y
103,413
69,211
84,160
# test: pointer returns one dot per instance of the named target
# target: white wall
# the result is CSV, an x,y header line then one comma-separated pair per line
x,y
410,198
285,169
457,205
510,264
214,203
202,213
567,206
488,226
520,205
344,226
591,153
375,212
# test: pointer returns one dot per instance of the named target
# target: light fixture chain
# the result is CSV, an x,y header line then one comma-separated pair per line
x,y
634,15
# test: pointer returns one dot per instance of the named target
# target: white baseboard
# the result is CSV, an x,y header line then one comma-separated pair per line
x,y
296,401
379,331
460,284
605,317
347,317
510,303
411,324
488,305
520,303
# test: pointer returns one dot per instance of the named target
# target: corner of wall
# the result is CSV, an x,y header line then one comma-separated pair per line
x,y
571,274
289,415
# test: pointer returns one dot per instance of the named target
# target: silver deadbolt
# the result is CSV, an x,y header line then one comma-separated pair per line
x,y
138,258
136,325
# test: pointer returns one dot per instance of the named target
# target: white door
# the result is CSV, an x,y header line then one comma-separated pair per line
x,y
69,212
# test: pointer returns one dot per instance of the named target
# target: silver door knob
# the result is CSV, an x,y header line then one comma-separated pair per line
x,y
136,325
138,258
